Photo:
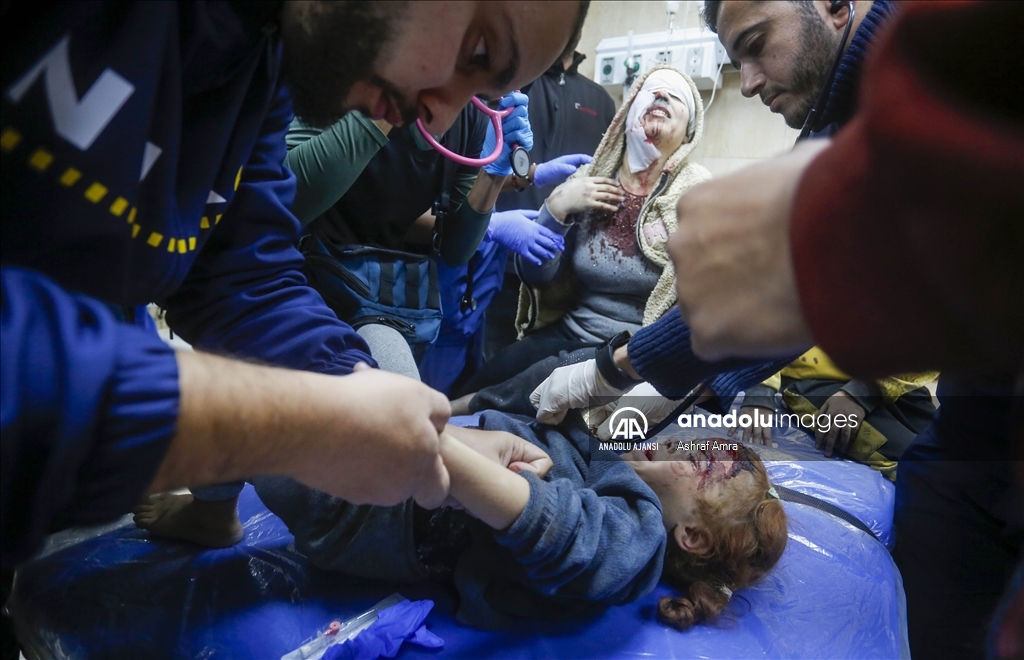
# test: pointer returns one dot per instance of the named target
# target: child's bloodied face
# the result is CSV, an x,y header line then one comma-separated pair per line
x,y
682,477
665,122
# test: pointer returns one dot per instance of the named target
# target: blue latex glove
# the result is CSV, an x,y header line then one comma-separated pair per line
x,y
517,231
384,637
516,130
557,170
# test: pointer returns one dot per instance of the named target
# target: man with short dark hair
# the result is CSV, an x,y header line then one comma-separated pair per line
x,y
784,51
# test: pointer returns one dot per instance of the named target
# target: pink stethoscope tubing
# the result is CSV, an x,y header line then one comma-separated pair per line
x,y
496,117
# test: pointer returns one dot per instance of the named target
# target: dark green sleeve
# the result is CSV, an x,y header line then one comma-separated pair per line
x,y
327,161
465,228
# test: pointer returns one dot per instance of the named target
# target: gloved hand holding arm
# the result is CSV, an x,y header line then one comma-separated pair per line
x,y
557,170
567,387
644,398
517,231
515,129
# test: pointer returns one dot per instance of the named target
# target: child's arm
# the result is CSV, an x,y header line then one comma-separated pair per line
x,y
503,448
488,491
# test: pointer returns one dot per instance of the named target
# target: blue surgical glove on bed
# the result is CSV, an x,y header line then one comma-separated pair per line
x,y
557,170
384,637
517,231
515,128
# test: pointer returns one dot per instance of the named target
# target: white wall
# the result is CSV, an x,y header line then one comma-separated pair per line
x,y
738,131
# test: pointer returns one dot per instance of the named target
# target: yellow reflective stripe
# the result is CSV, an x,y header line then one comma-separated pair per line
x,y
9,139
118,207
70,177
96,192
40,159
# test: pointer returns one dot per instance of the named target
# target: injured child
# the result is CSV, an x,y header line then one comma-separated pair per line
x,y
563,530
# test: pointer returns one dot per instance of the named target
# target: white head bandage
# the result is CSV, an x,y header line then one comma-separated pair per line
x,y
673,84
639,152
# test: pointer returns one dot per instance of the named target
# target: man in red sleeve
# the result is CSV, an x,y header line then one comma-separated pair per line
x,y
938,143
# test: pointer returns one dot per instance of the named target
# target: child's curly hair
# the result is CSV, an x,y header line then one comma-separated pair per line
x,y
748,535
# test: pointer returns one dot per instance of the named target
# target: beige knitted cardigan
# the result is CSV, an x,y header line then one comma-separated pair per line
x,y
542,305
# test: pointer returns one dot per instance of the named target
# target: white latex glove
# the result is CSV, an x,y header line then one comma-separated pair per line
x,y
568,387
644,398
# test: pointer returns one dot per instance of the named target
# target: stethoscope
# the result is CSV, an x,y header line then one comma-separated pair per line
x,y
520,158
812,116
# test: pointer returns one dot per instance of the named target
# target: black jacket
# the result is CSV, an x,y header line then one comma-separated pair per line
x,y
569,114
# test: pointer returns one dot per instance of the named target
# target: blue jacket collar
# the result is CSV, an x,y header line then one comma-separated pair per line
x,y
842,98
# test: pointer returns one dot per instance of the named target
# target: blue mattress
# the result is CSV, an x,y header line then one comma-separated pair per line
x,y
835,594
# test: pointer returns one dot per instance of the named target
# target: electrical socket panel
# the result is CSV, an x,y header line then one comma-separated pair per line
x,y
694,61
695,50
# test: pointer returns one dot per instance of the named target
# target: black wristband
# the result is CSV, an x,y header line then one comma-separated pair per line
x,y
606,366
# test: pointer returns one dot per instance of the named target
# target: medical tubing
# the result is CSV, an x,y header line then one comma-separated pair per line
x,y
687,401
790,495
496,117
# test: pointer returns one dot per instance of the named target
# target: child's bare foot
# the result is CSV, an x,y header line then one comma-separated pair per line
x,y
460,406
214,524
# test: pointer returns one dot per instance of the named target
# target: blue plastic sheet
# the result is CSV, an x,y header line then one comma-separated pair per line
x,y
836,593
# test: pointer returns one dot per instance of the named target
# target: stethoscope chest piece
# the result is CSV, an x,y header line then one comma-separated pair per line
x,y
520,162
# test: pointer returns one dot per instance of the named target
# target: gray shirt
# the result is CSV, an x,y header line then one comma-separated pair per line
x,y
615,277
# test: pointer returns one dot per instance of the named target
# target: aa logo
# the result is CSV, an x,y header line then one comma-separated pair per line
x,y
628,428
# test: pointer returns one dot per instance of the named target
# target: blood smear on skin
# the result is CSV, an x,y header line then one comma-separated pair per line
x,y
620,228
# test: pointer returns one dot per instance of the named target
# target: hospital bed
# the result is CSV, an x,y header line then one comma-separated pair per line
x,y
836,593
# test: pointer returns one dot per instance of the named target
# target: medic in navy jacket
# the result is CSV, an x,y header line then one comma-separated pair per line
x,y
123,185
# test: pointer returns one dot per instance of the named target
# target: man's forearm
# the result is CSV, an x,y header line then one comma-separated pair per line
x,y
233,420
338,434
484,193
465,228
490,492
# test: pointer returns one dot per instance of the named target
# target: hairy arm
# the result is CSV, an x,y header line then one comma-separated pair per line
x,y
336,434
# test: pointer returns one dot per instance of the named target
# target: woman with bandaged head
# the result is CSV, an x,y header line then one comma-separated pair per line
x,y
616,215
